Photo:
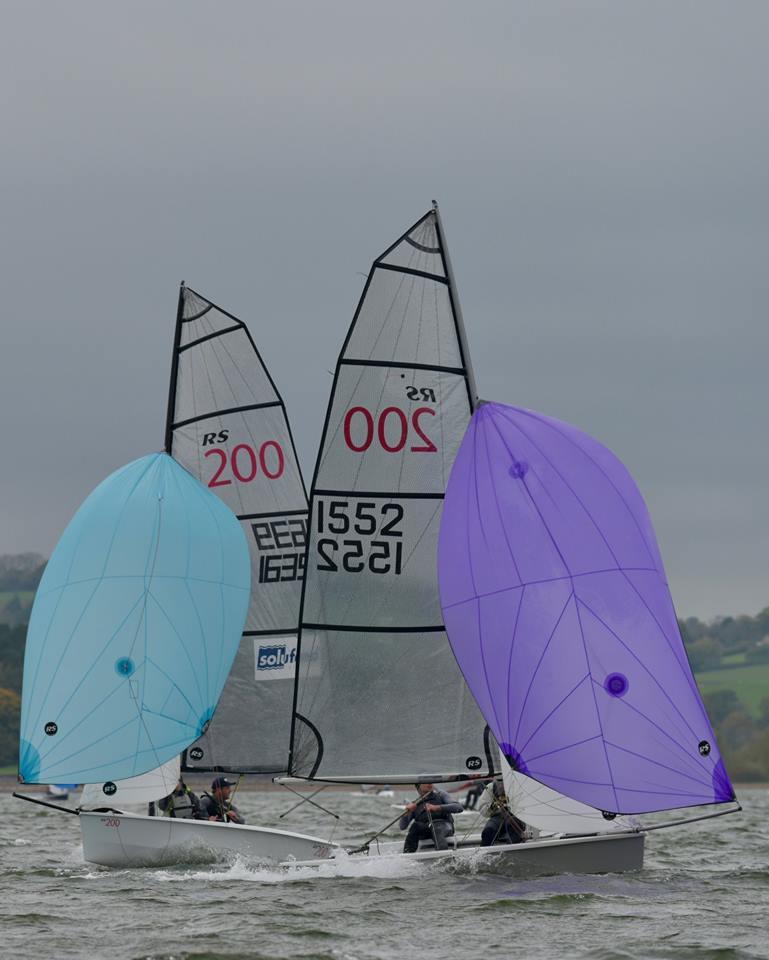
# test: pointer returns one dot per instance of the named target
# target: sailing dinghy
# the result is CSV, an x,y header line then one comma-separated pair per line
x,y
571,649
232,455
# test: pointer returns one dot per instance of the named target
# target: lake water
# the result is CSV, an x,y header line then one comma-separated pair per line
x,y
703,895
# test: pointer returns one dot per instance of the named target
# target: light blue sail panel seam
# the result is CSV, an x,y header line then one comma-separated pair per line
x,y
134,628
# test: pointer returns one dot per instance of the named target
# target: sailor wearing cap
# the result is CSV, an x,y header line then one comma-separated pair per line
x,y
217,804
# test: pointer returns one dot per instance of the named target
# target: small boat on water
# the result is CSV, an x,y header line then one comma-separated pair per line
x,y
177,586
441,524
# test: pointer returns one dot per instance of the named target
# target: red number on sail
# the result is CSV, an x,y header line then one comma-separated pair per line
x,y
427,446
245,464
215,481
369,429
263,459
404,429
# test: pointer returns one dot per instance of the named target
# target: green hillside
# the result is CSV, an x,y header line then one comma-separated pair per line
x,y
750,683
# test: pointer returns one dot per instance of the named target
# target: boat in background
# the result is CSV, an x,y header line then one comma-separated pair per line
x,y
233,458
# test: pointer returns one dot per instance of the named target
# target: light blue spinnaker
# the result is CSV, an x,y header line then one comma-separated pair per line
x,y
134,629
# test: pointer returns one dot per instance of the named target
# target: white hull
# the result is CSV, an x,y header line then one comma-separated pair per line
x,y
134,840
606,853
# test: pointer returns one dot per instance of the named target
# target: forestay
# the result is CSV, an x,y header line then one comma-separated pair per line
x,y
379,696
227,425
134,627
558,611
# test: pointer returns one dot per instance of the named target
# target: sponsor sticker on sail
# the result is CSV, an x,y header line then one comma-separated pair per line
x,y
274,658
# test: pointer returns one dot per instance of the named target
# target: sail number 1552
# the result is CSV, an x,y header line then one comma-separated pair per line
x,y
374,537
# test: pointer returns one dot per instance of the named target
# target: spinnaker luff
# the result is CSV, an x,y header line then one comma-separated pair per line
x,y
558,610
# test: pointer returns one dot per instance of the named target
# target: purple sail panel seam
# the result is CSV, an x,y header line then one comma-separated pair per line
x,y
475,485
707,782
496,500
467,538
627,704
568,746
534,583
539,663
640,663
595,701
531,497
510,656
555,708
547,422
483,663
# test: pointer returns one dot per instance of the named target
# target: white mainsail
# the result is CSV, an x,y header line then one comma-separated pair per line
x,y
228,426
379,696
135,792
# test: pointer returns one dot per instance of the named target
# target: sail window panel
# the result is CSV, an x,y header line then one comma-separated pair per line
x,y
251,727
393,430
405,319
396,691
374,562
219,374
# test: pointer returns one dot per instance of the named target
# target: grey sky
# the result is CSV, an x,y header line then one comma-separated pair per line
x,y
603,173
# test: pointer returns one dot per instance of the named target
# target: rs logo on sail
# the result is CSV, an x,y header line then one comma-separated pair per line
x,y
273,658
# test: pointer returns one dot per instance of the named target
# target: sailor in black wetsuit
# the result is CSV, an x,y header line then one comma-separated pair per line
x,y
429,818
217,805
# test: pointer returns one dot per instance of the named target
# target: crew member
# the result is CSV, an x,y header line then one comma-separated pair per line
x,y
502,826
429,818
182,803
217,805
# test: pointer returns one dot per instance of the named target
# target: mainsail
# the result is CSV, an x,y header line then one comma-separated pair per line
x,y
134,628
379,697
227,425
558,611
135,793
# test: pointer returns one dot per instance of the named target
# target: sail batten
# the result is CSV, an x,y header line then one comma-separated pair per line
x,y
228,426
548,563
378,695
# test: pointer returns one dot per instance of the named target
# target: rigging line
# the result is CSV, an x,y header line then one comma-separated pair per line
x,y
641,664
307,799
678,823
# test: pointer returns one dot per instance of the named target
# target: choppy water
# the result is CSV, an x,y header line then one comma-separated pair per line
x,y
703,895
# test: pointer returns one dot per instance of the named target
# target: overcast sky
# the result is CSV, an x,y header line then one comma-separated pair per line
x,y
603,174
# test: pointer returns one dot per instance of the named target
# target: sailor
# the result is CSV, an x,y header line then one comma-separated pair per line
x,y
502,826
182,803
429,818
217,804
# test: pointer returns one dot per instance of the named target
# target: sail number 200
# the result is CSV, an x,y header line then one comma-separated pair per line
x,y
244,463
391,429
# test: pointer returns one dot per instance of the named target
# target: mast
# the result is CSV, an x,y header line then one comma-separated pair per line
x,y
457,309
174,371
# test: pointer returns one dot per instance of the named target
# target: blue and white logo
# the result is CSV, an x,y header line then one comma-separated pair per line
x,y
275,661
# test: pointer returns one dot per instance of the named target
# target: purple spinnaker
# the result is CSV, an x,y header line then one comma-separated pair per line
x,y
558,611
